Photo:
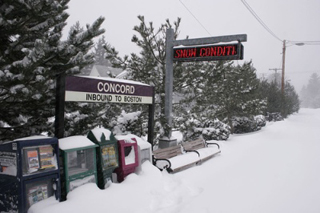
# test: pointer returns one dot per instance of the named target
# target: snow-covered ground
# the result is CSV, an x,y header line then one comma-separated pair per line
x,y
275,170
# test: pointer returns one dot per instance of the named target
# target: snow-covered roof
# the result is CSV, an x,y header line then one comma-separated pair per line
x,y
74,142
104,71
122,75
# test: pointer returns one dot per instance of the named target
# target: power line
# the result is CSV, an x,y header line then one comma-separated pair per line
x,y
272,33
195,17
259,20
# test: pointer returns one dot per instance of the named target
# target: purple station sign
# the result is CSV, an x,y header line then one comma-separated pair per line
x,y
97,89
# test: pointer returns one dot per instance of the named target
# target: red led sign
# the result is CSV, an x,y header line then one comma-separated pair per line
x,y
209,53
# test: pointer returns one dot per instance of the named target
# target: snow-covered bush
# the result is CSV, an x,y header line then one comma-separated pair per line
x,y
208,130
261,120
274,116
245,124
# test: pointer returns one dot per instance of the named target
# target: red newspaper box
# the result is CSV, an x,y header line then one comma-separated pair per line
x,y
128,158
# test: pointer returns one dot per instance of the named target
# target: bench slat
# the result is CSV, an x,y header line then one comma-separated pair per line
x,y
198,145
169,155
194,145
167,152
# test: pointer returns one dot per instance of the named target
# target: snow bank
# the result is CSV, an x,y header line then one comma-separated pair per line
x,y
273,170
34,137
73,142
98,131
143,144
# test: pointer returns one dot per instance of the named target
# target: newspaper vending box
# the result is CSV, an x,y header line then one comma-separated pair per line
x,y
78,160
29,172
107,154
128,157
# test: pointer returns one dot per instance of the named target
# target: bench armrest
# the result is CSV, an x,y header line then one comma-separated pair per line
x,y
168,167
193,151
208,143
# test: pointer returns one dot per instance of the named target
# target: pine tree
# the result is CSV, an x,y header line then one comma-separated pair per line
x,y
100,53
219,90
228,92
291,100
272,92
310,94
278,103
99,56
149,65
31,56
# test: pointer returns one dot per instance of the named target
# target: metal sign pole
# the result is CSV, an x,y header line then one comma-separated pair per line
x,y
189,55
169,80
151,122
167,141
59,112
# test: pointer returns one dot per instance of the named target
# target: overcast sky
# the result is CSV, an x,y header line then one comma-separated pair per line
x,y
290,20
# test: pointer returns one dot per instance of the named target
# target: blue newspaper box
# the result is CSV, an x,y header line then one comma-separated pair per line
x,y
29,172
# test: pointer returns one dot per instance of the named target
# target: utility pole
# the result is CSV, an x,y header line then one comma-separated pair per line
x,y
283,65
275,73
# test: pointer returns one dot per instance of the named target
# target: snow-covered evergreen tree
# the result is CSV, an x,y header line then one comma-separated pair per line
x,y
148,66
279,104
99,56
227,92
32,54
310,94
272,92
219,90
291,100
100,53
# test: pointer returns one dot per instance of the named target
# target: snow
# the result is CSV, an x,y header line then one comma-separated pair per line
x,y
34,137
98,131
116,80
79,182
73,142
142,143
273,170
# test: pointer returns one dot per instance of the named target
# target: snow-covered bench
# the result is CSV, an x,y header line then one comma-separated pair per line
x,y
202,148
173,159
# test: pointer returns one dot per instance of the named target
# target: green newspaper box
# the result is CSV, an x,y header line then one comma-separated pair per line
x,y
107,155
78,161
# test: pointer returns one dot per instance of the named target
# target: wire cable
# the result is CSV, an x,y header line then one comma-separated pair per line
x,y
195,17
260,21
272,33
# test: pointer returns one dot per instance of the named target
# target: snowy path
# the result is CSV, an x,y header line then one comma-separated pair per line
x,y
275,170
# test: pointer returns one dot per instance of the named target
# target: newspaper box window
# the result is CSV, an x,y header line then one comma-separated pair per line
x,y
29,172
79,162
